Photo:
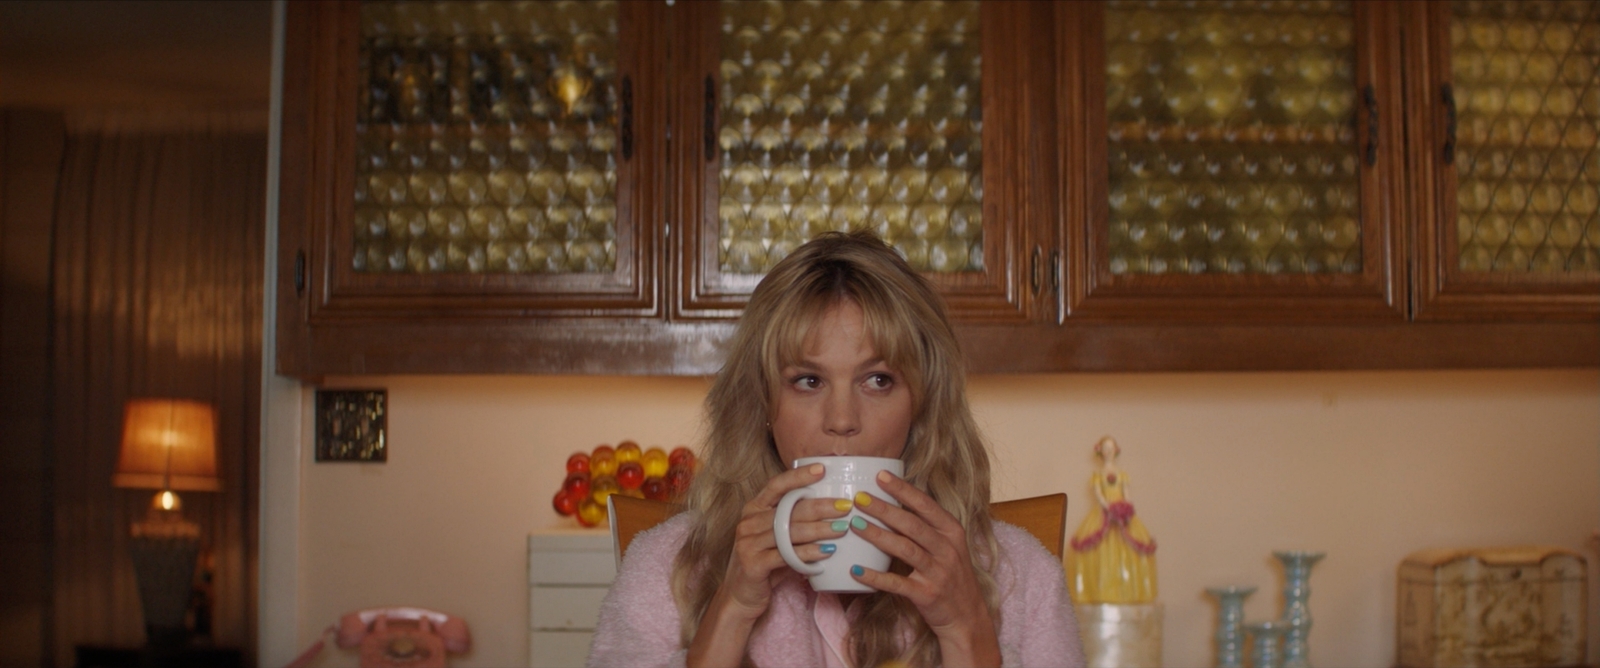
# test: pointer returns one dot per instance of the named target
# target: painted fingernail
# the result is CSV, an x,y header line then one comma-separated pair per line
x,y
858,571
858,523
842,505
816,469
828,548
883,476
840,525
863,499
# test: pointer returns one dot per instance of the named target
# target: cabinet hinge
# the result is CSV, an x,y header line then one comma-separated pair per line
x,y
299,273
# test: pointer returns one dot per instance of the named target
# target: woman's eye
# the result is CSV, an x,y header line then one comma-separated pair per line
x,y
807,382
880,381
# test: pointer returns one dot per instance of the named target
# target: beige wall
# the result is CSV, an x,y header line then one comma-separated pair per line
x,y
1224,468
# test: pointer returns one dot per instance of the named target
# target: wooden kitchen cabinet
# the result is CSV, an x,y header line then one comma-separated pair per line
x,y
597,187
1240,163
920,122
440,185
1506,159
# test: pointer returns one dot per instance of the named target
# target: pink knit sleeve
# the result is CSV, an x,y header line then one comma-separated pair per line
x,y
638,619
1037,626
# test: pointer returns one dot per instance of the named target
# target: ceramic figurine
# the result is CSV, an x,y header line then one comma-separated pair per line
x,y
1296,610
1113,555
1230,624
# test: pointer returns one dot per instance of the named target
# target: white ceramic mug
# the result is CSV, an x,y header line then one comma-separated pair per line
x,y
842,478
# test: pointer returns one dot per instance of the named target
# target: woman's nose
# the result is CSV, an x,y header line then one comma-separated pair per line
x,y
843,416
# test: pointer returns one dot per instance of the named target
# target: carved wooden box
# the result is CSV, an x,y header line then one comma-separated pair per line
x,y
1492,608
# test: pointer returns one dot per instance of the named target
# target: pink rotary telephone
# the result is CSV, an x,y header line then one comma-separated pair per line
x,y
395,637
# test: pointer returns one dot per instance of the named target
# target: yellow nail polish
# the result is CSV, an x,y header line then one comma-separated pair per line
x,y
841,505
863,500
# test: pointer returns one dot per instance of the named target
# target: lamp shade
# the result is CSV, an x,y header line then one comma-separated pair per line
x,y
168,444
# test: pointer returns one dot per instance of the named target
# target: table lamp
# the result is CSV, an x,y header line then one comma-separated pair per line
x,y
168,445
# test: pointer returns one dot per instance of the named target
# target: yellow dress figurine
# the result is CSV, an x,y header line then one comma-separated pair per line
x,y
1113,556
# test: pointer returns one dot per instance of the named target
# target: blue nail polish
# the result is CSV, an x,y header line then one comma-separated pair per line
x,y
858,523
828,548
858,571
840,525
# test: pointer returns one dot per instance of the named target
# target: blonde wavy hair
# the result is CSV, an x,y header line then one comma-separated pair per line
x,y
944,456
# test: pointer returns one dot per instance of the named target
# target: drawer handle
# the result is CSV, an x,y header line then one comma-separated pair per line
x,y
711,119
1036,279
1448,93
627,118
1370,96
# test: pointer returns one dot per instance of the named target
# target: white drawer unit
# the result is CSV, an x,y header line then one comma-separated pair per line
x,y
569,571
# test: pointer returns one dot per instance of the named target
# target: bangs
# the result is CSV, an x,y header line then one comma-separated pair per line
x,y
893,340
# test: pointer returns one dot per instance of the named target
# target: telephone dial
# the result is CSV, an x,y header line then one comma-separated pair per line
x,y
396,638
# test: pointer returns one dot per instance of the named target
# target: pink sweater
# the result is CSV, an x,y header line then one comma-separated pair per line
x,y
639,619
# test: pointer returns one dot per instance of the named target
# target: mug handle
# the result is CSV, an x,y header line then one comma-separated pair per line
x,y
780,529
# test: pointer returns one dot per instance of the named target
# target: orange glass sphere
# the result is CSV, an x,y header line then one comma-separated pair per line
x,y
602,487
603,463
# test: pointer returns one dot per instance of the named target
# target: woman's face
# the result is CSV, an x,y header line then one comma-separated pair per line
x,y
839,398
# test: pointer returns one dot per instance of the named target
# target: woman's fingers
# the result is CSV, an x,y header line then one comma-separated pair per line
x,y
918,502
921,533
781,484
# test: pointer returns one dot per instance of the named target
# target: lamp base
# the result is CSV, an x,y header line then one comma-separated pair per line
x,y
164,558
166,637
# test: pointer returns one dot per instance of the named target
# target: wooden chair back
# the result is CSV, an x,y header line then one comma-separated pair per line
x,y
629,516
1043,516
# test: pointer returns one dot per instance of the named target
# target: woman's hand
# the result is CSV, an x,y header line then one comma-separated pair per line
x,y
942,583
755,564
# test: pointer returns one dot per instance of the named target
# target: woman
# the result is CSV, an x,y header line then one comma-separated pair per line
x,y
1113,555
843,350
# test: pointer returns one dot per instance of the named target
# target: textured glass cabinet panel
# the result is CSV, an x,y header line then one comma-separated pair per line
x,y
486,137
1526,87
849,116
1232,138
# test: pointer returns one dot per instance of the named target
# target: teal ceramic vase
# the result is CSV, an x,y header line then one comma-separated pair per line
x,y
1230,624
1296,609
1266,637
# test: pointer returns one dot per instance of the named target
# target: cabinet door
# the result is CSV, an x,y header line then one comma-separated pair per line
x,y
909,119
1509,168
1239,161
472,159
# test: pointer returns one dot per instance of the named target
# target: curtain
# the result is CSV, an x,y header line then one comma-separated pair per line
x,y
157,271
